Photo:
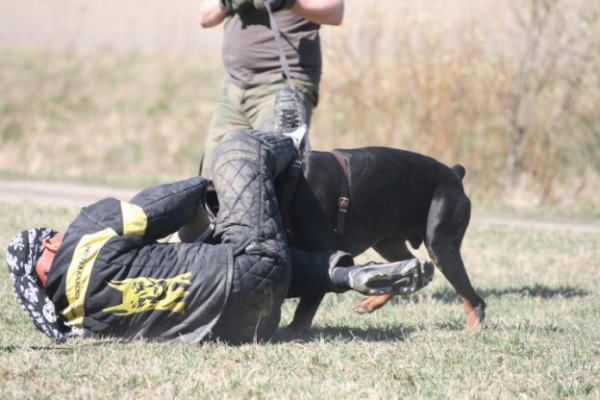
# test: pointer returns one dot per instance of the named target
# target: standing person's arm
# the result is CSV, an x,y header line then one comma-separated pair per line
x,y
210,13
324,12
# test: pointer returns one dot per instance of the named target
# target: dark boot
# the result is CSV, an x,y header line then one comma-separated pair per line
x,y
311,272
397,278
315,273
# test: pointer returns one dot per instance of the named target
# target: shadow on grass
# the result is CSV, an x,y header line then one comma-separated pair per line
x,y
490,325
448,295
345,333
58,348
13,349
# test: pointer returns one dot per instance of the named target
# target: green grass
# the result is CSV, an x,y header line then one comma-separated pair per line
x,y
541,339
422,81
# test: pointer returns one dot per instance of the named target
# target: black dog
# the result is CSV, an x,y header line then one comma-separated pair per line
x,y
378,197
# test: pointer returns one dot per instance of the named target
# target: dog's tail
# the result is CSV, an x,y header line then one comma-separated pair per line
x,y
459,170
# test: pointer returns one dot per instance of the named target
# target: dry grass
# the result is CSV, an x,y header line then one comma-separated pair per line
x,y
82,114
508,93
507,89
115,92
541,339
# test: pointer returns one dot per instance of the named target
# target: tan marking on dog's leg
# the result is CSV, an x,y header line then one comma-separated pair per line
x,y
372,303
473,322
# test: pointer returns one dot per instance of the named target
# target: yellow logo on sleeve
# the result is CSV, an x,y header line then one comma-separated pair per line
x,y
145,294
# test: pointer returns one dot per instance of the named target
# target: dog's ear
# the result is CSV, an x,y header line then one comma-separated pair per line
x,y
459,170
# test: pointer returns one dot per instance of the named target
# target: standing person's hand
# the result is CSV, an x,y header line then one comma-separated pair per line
x,y
231,7
276,5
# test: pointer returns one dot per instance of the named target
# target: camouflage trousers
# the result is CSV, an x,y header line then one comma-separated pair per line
x,y
249,108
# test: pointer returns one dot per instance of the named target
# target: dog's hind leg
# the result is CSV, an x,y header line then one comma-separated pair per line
x,y
304,314
446,226
392,249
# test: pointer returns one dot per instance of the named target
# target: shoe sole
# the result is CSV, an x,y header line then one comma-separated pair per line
x,y
379,282
423,275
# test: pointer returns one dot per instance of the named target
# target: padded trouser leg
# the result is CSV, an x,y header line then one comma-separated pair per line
x,y
311,272
244,166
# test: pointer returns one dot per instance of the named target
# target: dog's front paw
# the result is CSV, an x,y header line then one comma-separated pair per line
x,y
371,303
287,334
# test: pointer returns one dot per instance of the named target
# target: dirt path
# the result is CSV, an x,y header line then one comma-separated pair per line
x,y
79,195
47,192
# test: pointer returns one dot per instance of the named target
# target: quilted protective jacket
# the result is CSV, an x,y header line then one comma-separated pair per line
x,y
111,276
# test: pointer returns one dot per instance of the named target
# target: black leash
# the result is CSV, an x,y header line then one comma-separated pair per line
x,y
284,63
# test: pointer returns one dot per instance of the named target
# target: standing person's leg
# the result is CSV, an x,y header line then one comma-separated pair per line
x,y
228,116
285,112
259,104
245,163
250,108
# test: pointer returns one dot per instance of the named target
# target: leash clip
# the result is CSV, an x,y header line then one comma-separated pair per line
x,y
343,204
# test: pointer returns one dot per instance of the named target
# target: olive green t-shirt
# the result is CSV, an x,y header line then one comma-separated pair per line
x,y
251,55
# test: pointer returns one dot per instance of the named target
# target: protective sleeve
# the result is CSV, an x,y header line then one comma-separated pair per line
x,y
170,206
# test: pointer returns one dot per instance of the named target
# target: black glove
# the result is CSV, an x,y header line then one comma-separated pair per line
x,y
276,5
231,7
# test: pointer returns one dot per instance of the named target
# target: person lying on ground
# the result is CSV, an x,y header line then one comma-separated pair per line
x,y
109,273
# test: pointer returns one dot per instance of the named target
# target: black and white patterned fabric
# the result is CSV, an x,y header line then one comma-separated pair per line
x,y
22,255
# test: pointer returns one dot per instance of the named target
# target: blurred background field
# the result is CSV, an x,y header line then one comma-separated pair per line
x,y
122,93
